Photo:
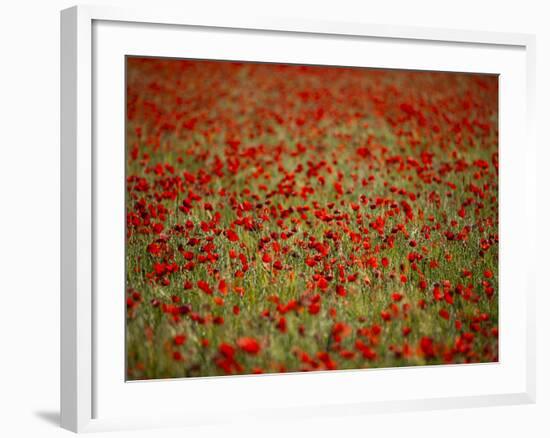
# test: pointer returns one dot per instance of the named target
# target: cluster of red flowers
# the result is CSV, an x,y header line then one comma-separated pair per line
x,y
295,218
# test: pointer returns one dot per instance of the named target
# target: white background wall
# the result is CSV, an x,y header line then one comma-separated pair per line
x,y
29,216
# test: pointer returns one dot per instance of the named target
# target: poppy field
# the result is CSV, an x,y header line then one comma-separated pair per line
x,y
285,218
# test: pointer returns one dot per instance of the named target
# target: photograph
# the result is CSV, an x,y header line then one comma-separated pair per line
x,y
285,218
275,219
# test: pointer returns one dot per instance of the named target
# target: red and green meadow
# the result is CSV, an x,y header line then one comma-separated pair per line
x,y
290,218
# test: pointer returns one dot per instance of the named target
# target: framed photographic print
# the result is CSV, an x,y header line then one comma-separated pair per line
x,y
283,217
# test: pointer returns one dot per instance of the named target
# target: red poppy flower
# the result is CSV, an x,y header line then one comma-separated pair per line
x,y
249,345
232,236
179,339
203,285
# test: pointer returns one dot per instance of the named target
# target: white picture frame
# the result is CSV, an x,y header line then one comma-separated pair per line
x,y
86,179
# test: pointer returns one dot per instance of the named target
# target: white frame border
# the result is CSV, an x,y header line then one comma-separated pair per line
x,y
77,197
